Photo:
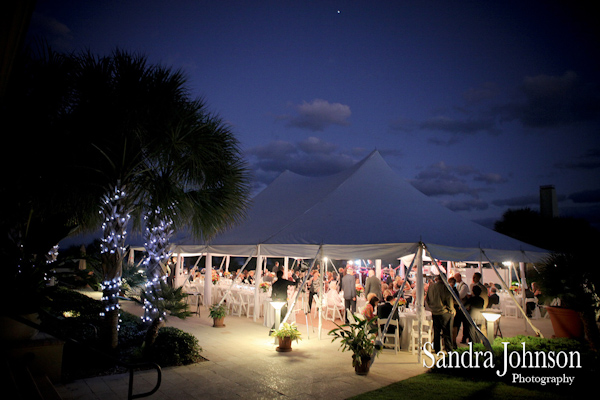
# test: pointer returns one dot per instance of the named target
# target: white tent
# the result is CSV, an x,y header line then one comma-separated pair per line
x,y
366,212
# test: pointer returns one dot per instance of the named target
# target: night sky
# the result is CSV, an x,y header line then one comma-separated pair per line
x,y
476,103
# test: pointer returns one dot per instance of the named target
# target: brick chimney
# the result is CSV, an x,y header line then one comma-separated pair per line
x,y
548,202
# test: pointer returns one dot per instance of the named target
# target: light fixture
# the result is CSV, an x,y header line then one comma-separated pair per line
x,y
277,305
491,316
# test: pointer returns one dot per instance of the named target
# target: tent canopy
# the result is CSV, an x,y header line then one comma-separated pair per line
x,y
366,211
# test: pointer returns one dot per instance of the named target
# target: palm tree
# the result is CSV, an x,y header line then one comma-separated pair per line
x,y
124,139
195,179
155,149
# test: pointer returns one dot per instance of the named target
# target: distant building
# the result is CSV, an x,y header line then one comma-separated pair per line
x,y
548,202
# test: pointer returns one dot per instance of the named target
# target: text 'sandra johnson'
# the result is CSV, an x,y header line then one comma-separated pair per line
x,y
516,359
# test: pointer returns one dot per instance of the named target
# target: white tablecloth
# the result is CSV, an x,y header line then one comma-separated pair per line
x,y
505,300
406,319
269,310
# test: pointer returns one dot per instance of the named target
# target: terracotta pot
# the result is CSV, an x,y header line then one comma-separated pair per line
x,y
218,322
566,322
363,368
285,344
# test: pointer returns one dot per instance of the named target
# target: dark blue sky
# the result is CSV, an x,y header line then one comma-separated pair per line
x,y
477,103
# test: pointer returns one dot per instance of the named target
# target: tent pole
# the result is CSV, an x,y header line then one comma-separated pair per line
x,y
299,290
208,279
235,277
335,269
321,288
420,294
257,278
524,286
387,323
467,315
507,288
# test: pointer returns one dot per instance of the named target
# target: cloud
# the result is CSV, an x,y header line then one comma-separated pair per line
x,y
440,179
59,35
542,101
586,196
451,125
466,205
588,161
311,157
519,201
318,115
485,92
551,101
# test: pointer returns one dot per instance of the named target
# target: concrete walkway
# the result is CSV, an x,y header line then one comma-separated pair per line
x,y
243,364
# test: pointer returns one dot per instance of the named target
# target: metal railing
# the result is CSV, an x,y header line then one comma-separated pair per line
x,y
130,367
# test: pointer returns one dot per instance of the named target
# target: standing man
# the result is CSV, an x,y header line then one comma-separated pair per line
x,y
349,288
279,292
373,285
463,294
276,267
440,302
484,291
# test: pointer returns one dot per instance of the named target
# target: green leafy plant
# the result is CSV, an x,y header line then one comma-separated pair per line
x,y
174,347
287,330
217,311
358,337
575,281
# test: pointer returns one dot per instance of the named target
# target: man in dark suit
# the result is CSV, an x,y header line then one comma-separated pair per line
x,y
279,292
383,312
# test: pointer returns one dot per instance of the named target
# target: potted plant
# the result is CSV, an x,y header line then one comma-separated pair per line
x,y
286,334
358,337
218,312
570,278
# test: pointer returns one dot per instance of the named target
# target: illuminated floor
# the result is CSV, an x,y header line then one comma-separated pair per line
x,y
243,364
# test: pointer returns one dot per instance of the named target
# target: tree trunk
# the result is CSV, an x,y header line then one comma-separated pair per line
x,y
109,332
152,334
590,327
111,266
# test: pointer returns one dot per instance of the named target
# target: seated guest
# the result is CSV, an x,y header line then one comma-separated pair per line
x,y
369,311
332,295
494,298
474,305
384,310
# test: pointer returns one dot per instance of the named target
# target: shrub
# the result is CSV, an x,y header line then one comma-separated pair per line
x,y
131,330
174,347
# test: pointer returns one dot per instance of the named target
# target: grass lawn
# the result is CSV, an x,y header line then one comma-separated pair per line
x,y
430,386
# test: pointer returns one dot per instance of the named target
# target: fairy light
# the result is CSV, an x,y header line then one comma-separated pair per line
x,y
158,233
115,217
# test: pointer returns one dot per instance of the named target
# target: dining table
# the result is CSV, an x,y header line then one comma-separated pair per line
x,y
405,320
269,310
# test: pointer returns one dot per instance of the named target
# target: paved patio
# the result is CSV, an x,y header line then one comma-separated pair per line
x,y
243,363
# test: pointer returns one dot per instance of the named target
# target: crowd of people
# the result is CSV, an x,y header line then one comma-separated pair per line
x,y
380,293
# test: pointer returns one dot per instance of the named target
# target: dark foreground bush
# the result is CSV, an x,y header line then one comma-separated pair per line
x,y
70,314
174,347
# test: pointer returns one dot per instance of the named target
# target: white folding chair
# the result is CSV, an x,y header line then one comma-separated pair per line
x,y
249,303
243,302
395,335
426,334
511,311
333,311
234,304
350,316
193,301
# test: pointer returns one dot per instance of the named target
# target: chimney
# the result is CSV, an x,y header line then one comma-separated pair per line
x,y
548,202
